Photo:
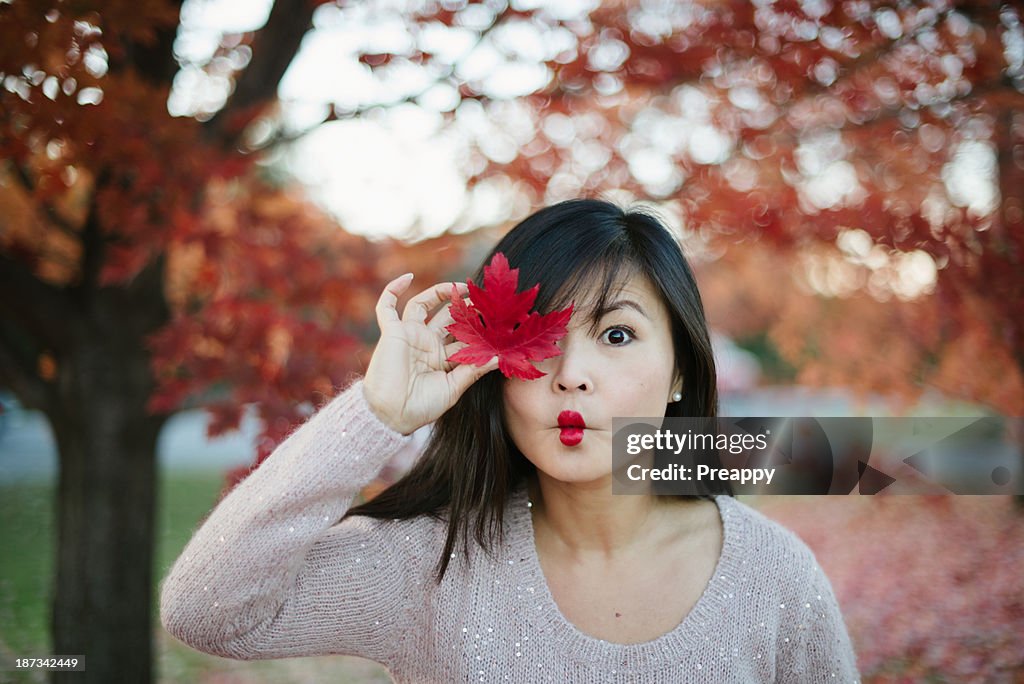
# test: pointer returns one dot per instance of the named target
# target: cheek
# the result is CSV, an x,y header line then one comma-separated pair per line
x,y
518,402
647,391
521,418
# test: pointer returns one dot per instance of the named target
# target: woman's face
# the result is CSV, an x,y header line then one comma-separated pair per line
x,y
625,368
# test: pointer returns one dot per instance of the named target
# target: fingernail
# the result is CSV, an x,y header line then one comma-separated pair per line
x,y
405,276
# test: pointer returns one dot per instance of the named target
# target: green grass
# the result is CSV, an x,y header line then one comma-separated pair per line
x,y
184,499
26,561
27,538
27,547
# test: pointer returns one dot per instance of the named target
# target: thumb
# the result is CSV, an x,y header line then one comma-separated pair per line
x,y
465,374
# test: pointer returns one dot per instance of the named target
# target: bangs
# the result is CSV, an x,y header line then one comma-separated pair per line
x,y
591,291
590,288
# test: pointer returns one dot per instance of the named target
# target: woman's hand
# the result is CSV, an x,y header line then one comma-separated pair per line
x,y
409,383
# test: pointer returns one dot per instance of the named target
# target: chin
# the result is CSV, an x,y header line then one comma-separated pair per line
x,y
575,477
576,464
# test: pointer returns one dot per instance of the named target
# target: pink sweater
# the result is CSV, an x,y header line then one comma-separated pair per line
x,y
270,575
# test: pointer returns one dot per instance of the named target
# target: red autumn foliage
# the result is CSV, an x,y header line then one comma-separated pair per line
x,y
794,126
929,586
270,301
499,322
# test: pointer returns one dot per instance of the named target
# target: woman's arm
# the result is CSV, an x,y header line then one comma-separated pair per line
x,y
269,574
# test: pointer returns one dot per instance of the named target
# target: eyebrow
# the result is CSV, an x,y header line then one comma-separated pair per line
x,y
621,304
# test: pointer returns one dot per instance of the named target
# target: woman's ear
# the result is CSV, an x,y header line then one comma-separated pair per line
x,y
677,388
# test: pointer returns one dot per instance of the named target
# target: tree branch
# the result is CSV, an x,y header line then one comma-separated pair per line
x,y
18,367
55,218
273,49
446,75
93,250
153,59
40,308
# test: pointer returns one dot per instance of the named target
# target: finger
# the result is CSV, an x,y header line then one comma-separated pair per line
x,y
449,351
465,374
387,303
419,307
441,320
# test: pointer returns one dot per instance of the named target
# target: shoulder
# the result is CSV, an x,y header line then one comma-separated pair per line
x,y
789,593
763,540
418,530
404,548
772,557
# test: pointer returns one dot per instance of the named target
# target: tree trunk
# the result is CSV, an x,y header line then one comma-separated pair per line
x,y
107,486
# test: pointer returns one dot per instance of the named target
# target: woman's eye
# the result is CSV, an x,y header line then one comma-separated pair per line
x,y
617,336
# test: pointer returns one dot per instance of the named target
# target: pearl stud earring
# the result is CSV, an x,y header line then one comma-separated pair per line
x,y
678,396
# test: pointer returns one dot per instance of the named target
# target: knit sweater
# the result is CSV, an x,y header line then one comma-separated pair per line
x,y
272,574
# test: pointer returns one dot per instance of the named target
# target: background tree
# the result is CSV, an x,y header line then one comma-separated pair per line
x,y
148,263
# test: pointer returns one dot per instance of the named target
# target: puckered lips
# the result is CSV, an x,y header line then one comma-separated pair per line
x,y
571,427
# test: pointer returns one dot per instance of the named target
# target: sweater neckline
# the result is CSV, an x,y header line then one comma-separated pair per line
x,y
669,648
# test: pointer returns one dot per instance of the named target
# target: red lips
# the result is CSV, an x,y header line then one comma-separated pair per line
x,y
572,426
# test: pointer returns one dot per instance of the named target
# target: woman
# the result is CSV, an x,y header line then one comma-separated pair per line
x,y
503,555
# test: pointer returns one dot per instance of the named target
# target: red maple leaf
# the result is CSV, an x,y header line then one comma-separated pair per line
x,y
499,322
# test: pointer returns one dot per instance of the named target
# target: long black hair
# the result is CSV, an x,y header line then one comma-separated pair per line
x,y
471,466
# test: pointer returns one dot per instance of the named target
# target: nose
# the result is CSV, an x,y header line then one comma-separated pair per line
x,y
572,369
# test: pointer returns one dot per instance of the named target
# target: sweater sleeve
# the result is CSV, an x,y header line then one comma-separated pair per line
x,y
817,646
271,573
